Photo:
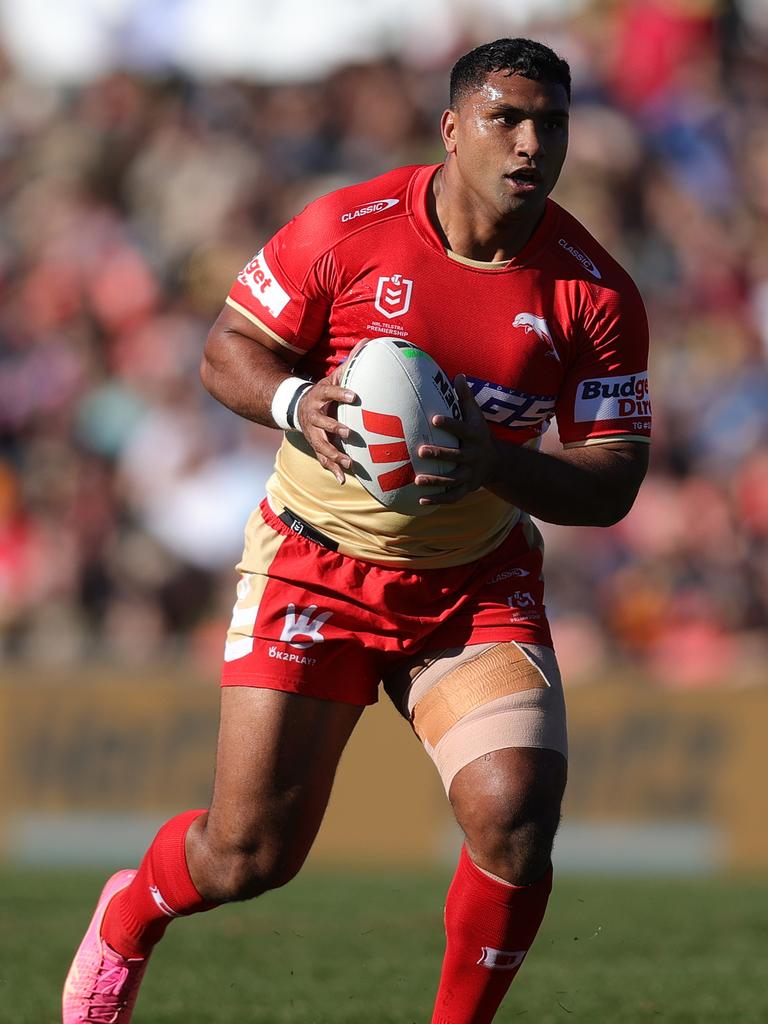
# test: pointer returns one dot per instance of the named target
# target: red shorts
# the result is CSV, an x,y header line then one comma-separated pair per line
x,y
313,621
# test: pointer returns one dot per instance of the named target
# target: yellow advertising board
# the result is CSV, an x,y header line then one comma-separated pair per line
x,y
85,754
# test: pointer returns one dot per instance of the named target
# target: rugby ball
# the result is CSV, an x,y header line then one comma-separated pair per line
x,y
399,389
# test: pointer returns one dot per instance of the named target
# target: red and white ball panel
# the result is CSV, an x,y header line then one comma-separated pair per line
x,y
399,388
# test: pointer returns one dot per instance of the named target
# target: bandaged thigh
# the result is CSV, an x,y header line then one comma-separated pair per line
x,y
465,704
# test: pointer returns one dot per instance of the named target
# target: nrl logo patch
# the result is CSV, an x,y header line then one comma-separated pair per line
x,y
393,296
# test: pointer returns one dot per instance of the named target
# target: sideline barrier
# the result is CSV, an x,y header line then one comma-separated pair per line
x,y
92,762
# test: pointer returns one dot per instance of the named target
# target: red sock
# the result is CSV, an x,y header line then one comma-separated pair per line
x,y
137,917
489,925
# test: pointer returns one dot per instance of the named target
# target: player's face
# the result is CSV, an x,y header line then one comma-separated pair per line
x,y
508,140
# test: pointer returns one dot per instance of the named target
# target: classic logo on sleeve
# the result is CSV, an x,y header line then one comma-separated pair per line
x,y
260,281
582,257
612,398
378,206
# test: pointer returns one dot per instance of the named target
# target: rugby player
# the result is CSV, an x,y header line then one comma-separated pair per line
x,y
516,301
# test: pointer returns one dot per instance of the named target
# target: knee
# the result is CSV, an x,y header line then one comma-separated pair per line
x,y
240,870
510,818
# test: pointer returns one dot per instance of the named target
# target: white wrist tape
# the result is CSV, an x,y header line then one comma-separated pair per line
x,y
285,401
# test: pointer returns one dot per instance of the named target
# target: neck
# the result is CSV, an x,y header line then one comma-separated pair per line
x,y
471,229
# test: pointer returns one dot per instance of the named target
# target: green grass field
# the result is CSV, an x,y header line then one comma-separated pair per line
x,y
366,950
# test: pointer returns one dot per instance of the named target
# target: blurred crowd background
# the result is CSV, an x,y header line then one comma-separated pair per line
x,y
133,194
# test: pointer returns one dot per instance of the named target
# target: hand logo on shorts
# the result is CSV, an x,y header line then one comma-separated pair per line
x,y
307,623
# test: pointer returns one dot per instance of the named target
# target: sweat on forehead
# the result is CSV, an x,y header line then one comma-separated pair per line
x,y
524,57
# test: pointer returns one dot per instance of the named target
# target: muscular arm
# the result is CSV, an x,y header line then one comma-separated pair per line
x,y
242,367
591,486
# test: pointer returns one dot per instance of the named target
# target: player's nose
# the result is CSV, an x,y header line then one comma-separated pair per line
x,y
528,141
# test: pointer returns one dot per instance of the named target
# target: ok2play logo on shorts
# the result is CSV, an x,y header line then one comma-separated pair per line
x,y
612,398
304,622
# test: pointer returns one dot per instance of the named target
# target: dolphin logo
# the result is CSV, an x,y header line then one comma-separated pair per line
x,y
531,322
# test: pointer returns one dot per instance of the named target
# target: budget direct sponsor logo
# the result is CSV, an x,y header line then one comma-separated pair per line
x,y
363,211
511,408
583,259
612,398
260,281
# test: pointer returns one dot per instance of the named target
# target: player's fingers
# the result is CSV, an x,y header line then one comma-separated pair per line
x,y
449,454
327,391
458,479
319,421
459,428
332,467
328,455
445,497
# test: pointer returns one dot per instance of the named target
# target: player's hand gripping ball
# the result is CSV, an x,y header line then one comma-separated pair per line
x,y
399,388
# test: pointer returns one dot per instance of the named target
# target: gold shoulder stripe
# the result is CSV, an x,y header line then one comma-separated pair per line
x,y
637,438
481,264
263,327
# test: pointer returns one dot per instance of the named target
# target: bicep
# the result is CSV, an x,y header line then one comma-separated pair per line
x,y
234,333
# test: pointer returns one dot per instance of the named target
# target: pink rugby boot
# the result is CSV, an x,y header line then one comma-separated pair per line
x,y
102,986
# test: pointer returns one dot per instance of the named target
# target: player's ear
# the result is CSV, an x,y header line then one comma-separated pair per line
x,y
448,130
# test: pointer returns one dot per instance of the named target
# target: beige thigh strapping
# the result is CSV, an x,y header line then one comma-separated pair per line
x,y
465,703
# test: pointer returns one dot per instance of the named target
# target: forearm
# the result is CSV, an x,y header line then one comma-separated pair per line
x,y
592,486
243,375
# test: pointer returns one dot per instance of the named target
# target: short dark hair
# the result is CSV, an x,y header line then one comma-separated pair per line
x,y
523,57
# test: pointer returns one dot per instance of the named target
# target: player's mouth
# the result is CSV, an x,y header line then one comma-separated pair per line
x,y
524,179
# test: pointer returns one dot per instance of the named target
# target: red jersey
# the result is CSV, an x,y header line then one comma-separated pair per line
x,y
560,330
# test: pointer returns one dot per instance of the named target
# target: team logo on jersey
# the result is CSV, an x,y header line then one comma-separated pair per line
x,y
511,408
583,259
501,959
307,623
362,211
612,398
532,322
260,281
393,296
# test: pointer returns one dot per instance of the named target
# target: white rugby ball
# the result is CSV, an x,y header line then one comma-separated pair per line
x,y
399,389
